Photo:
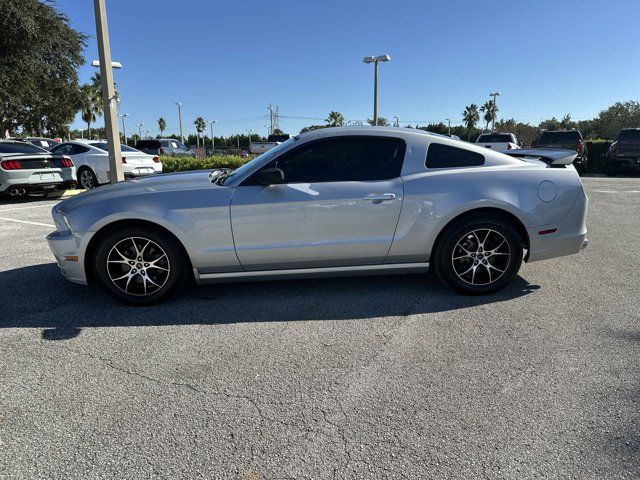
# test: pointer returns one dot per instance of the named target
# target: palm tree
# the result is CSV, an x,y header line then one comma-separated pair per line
x,y
89,108
162,125
489,109
96,86
201,125
335,119
382,122
470,117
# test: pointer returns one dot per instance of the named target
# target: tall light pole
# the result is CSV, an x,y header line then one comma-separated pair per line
x,y
449,121
375,60
213,142
397,122
108,92
124,127
179,104
249,145
140,125
495,108
146,134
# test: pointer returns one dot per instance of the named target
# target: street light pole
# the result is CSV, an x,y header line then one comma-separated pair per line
x,y
213,142
495,108
375,60
124,127
249,145
180,121
108,93
449,120
140,125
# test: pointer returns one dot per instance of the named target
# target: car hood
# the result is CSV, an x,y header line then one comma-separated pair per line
x,y
172,182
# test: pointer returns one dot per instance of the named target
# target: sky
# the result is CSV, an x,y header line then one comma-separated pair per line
x,y
228,60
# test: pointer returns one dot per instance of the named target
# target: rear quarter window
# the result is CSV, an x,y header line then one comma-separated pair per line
x,y
560,137
445,156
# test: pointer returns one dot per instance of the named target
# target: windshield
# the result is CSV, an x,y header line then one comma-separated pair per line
x,y
104,146
11,147
247,167
626,135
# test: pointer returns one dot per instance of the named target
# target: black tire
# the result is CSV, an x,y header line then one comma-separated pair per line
x,y
158,272
611,169
87,179
492,275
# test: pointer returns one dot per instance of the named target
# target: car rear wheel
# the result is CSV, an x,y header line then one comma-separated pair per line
x,y
87,178
479,255
140,266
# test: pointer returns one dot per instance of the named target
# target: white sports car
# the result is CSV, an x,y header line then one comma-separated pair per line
x,y
25,168
335,201
91,159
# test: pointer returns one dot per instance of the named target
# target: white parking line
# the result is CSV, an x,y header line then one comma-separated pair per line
x,y
48,205
28,222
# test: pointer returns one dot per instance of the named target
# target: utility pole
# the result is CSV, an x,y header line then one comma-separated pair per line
x,y
270,120
140,125
108,93
180,121
449,121
124,127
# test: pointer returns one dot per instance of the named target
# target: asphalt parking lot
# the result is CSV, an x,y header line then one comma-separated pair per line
x,y
373,377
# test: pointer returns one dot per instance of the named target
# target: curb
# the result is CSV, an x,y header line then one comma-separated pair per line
x,y
64,193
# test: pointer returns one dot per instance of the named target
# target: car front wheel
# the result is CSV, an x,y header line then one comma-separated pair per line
x,y
479,255
140,266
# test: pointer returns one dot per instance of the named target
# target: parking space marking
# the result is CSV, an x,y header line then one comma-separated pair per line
x,y
28,222
24,208
616,191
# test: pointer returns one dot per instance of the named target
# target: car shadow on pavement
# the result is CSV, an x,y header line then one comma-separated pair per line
x,y
41,298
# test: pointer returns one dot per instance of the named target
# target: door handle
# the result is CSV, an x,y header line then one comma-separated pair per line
x,y
379,197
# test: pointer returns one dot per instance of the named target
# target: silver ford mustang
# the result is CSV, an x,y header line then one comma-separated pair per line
x,y
336,201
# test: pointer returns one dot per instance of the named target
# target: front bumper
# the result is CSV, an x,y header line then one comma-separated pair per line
x,y
66,249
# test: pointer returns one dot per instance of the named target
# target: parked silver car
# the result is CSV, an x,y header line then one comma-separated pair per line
x,y
164,146
348,200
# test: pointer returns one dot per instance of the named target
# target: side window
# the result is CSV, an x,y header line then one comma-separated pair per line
x,y
444,156
62,149
164,144
77,149
342,159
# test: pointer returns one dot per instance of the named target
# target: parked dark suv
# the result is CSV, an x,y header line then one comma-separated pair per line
x,y
624,152
163,146
567,139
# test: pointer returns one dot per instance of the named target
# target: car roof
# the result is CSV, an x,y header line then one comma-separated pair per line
x,y
365,130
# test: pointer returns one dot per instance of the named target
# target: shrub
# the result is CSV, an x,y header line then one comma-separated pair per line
x,y
183,164
597,150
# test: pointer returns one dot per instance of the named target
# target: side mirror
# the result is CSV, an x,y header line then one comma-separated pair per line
x,y
271,176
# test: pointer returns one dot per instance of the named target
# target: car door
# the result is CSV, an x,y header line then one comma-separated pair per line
x,y
339,205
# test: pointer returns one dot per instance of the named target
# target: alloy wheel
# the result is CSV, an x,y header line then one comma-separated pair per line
x,y
86,179
138,266
481,256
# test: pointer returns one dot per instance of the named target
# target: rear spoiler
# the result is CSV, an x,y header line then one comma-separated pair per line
x,y
551,156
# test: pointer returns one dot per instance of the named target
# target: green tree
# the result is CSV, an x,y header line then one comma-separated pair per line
x,y
201,125
490,110
89,106
335,119
162,125
382,121
470,118
39,57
